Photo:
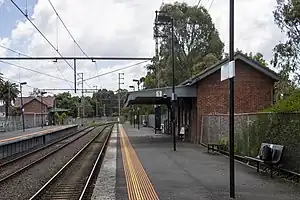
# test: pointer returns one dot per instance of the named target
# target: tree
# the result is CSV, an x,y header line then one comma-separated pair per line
x,y
66,101
8,93
196,41
258,57
286,54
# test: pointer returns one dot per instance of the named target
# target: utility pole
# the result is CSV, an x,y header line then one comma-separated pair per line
x,y
22,105
163,19
96,101
119,91
104,110
75,85
82,97
138,109
42,109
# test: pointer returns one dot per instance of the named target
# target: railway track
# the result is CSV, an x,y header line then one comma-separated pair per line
x,y
20,155
19,164
73,180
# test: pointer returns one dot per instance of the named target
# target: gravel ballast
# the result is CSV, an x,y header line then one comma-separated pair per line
x,y
22,162
24,185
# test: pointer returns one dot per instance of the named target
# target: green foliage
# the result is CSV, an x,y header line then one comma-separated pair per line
x,y
290,103
8,93
102,101
284,129
196,41
59,118
276,128
258,57
286,54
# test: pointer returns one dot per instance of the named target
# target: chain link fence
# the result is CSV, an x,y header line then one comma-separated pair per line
x,y
253,129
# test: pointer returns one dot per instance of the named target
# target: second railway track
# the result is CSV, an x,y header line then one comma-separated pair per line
x,y
73,179
24,182
18,164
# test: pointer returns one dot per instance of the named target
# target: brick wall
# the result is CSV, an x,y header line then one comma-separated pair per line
x,y
34,106
253,92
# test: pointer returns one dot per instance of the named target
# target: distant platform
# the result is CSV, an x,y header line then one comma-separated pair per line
x,y
10,137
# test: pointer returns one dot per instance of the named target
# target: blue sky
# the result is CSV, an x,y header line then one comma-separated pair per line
x,y
9,15
109,27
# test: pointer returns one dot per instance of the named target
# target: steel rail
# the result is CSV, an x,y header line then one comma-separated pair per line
x,y
42,158
102,151
53,178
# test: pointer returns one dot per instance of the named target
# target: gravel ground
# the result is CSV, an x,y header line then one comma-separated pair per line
x,y
22,162
30,181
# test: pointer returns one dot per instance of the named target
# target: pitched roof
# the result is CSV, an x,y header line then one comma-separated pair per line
x,y
238,56
49,101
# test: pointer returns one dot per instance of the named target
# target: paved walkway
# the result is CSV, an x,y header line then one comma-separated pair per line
x,y
192,173
19,134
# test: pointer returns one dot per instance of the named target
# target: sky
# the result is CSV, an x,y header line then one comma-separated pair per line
x,y
112,28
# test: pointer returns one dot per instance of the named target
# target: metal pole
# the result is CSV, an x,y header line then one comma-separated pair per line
x,y
138,108
173,87
75,85
138,117
119,98
9,99
119,94
96,103
22,109
42,120
104,110
82,102
231,101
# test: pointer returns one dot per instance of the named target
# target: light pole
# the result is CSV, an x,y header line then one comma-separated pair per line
x,y
95,86
42,115
132,113
231,100
138,113
163,18
22,106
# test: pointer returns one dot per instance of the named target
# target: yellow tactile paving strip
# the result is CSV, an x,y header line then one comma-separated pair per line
x,y
138,184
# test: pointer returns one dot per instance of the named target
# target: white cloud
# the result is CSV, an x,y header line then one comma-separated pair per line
x,y
123,28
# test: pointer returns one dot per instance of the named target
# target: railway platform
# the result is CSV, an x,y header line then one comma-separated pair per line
x,y
146,167
12,136
12,143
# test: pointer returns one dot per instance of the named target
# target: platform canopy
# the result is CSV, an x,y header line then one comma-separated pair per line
x,y
159,95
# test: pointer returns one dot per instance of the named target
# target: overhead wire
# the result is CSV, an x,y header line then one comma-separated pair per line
x,y
67,29
14,51
75,42
126,67
212,1
19,66
198,4
42,34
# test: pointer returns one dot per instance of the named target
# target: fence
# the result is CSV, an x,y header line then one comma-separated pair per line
x,y
253,129
86,121
151,119
14,123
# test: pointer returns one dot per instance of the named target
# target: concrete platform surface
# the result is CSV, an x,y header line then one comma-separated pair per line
x,y
191,173
8,137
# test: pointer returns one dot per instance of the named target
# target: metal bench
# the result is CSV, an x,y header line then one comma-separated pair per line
x,y
277,153
211,146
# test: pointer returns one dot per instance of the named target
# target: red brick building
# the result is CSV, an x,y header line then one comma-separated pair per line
x,y
205,93
34,108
